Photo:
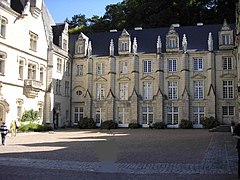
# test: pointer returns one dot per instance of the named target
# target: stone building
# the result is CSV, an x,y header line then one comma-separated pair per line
x,y
155,75
34,63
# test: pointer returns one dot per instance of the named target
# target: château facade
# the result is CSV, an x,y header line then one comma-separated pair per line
x,y
156,75
130,76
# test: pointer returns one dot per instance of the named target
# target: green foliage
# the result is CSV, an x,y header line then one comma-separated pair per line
x,y
86,123
186,124
109,125
159,125
35,127
134,125
29,116
210,122
151,14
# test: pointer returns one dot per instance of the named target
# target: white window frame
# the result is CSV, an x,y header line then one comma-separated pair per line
x,y
228,110
2,64
173,90
147,90
33,41
198,114
172,65
147,66
78,114
172,43
147,115
198,64
123,67
99,115
228,89
32,68
198,89
226,39
227,63
59,65
100,91
172,115
3,26
41,74
100,68
123,115
123,91
79,70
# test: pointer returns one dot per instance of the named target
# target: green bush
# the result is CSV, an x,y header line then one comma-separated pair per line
x,y
30,116
210,122
86,123
35,127
186,124
159,125
109,125
134,125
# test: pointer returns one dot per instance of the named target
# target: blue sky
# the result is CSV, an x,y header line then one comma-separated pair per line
x,y
62,9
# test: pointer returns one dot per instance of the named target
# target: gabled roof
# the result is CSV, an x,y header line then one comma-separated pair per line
x,y
57,32
197,39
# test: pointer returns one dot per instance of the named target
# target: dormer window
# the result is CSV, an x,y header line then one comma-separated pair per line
x,y
225,37
124,43
81,46
172,40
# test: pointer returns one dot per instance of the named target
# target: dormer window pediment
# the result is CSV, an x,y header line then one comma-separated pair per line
x,y
172,40
124,43
225,37
81,45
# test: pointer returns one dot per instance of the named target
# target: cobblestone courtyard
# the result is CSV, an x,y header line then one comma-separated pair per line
x,y
172,153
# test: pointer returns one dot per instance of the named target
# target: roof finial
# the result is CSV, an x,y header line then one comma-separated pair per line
x,y
159,45
184,43
135,46
210,42
111,48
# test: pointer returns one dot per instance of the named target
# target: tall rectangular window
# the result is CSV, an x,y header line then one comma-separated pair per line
x,y
198,89
32,71
226,39
172,65
100,68
80,70
198,114
100,91
147,115
147,90
123,91
147,66
172,115
172,90
58,86
3,26
123,67
198,64
228,89
172,43
41,74
123,115
228,110
227,63
68,68
2,64
59,65
20,69
67,88
99,115
64,44
78,114
33,41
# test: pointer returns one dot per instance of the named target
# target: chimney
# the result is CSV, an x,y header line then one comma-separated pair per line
x,y
138,28
113,30
199,24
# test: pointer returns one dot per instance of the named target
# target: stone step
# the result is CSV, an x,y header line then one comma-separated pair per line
x,y
221,128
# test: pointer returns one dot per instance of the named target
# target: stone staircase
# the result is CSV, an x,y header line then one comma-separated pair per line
x,y
221,128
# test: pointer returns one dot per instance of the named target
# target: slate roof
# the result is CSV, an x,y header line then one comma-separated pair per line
x,y
17,6
197,38
57,32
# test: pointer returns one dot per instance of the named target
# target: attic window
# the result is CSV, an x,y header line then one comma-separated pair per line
x,y
172,40
124,43
226,39
124,46
172,43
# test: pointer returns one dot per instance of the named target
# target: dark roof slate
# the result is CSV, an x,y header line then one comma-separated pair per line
x,y
197,38
57,32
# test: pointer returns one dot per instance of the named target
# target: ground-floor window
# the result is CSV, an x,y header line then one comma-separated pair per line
x,y
198,114
228,110
147,115
78,114
172,115
99,115
123,115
